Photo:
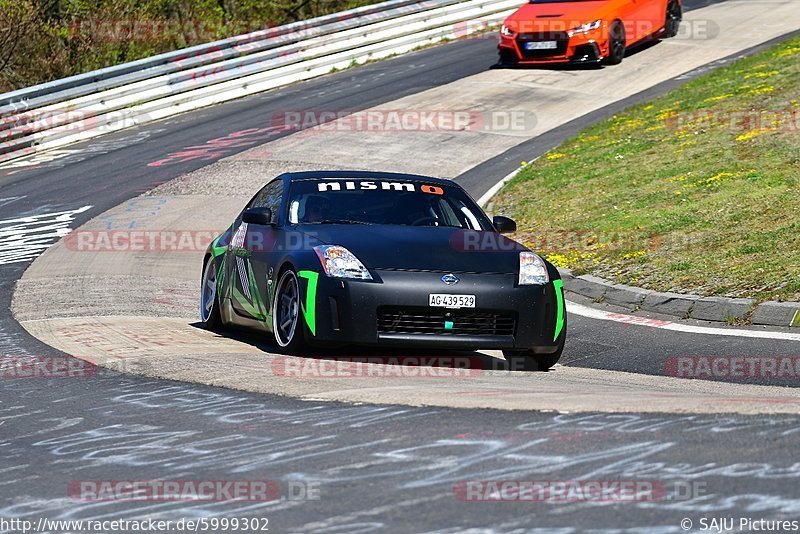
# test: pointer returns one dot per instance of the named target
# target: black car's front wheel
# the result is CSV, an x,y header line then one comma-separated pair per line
x,y
209,300
527,360
524,360
286,323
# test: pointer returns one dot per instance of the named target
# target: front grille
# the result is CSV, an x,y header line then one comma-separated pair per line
x,y
445,322
561,39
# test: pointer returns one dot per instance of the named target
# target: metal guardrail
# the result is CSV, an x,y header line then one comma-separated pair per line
x,y
82,84
88,105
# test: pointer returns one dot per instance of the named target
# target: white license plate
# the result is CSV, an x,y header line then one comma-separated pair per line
x,y
451,301
541,45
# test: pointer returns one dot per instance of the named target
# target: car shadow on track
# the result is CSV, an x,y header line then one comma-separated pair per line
x,y
455,360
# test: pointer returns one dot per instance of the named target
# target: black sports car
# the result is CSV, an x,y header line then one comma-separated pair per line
x,y
333,258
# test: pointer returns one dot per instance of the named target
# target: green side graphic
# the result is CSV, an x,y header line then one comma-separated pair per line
x,y
220,281
558,285
259,303
310,308
217,250
254,305
244,303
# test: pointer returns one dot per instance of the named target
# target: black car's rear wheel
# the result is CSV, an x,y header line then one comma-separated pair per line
x,y
286,323
209,300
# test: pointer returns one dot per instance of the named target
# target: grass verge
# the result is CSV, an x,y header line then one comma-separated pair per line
x,y
695,192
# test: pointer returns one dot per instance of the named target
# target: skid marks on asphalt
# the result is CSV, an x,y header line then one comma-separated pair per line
x,y
26,238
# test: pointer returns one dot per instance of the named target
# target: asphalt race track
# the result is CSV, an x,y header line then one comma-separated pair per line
x,y
382,468
377,466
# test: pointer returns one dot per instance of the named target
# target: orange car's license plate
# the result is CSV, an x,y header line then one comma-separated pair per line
x,y
541,45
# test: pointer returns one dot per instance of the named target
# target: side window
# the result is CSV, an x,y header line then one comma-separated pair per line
x,y
269,197
447,214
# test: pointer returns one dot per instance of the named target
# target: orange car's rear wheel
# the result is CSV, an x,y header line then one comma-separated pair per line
x,y
616,44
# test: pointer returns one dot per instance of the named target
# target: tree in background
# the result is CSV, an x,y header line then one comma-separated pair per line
x,y
43,40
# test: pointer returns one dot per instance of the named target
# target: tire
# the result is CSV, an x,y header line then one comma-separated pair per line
x,y
287,324
529,361
507,58
672,21
616,44
209,298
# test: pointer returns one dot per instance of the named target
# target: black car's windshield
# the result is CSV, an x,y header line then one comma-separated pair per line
x,y
394,202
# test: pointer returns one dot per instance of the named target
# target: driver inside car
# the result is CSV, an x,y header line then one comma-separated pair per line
x,y
421,214
317,209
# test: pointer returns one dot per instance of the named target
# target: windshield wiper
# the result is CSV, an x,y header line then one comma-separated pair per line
x,y
342,221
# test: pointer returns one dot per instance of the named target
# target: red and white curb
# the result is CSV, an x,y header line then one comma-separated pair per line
x,y
602,315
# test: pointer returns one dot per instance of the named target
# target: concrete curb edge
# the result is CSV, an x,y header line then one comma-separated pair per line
x,y
717,309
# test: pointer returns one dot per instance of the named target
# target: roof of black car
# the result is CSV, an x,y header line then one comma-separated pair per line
x,y
360,175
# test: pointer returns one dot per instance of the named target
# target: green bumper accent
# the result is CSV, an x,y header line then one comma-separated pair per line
x,y
558,285
310,308
448,325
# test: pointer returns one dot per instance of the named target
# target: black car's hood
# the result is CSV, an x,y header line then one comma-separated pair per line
x,y
421,248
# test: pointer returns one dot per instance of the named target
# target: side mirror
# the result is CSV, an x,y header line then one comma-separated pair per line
x,y
504,225
262,216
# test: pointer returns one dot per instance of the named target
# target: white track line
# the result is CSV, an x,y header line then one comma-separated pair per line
x,y
592,313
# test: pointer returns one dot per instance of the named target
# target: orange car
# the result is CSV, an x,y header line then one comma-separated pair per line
x,y
584,31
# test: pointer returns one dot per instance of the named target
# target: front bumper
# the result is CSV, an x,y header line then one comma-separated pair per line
x,y
393,310
579,49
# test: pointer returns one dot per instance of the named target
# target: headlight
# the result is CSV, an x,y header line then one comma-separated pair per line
x,y
506,31
532,270
338,262
585,28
